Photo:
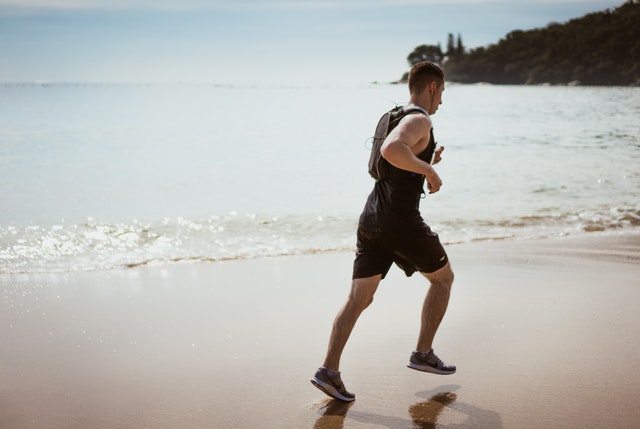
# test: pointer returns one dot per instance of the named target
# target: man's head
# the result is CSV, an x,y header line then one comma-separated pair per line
x,y
422,74
426,83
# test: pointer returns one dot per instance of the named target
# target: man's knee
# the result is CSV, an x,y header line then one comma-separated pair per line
x,y
442,278
360,303
449,276
362,291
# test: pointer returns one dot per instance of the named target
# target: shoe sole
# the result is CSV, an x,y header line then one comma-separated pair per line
x,y
429,369
330,390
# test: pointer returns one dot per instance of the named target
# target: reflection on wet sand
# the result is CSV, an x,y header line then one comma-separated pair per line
x,y
427,414
333,414
424,415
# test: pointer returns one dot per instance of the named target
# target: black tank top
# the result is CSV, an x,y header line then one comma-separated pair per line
x,y
395,200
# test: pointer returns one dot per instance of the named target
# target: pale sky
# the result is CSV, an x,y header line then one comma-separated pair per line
x,y
250,41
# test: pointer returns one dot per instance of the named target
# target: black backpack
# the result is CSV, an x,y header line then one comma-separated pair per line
x,y
378,168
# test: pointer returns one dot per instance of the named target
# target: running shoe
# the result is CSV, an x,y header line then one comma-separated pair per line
x,y
330,383
429,362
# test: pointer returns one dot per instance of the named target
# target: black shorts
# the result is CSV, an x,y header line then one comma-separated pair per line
x,y
412,249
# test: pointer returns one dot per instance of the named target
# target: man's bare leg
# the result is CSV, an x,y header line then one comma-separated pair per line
x,y
361,295
435,306
433,309
328,378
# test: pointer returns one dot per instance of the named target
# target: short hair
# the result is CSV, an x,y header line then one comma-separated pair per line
x,y
422,74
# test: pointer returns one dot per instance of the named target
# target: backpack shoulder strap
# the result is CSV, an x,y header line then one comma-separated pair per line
x,y
411,109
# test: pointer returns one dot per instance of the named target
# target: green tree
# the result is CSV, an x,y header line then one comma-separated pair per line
x,y
431,53
451,46
460,46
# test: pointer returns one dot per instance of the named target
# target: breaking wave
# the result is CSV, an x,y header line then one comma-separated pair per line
x,y
96,245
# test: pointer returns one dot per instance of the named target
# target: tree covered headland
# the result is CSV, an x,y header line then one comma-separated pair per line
x,y
601,48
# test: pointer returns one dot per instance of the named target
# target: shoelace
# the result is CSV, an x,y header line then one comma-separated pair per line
x,y
429,357
337,381
439,363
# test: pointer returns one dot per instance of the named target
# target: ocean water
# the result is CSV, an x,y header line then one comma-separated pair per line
x,y
98,176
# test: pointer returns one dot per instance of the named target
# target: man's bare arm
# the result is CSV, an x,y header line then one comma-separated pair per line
x,y
401,146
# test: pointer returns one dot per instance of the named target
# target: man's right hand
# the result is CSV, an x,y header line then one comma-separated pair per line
x,y
433,182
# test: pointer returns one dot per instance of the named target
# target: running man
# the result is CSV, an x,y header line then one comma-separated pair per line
x,y
391,230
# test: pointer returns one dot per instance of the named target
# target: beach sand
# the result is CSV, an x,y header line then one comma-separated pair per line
x,y
545,334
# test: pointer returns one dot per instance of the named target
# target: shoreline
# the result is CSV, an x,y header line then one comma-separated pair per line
x,y
233,344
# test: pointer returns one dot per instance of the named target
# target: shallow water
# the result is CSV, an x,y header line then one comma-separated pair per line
x,y
103,176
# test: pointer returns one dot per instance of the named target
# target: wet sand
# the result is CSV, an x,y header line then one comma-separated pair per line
x,y
545,333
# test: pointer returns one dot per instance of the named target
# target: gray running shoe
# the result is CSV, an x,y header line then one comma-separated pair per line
x,y
330,383
429,362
